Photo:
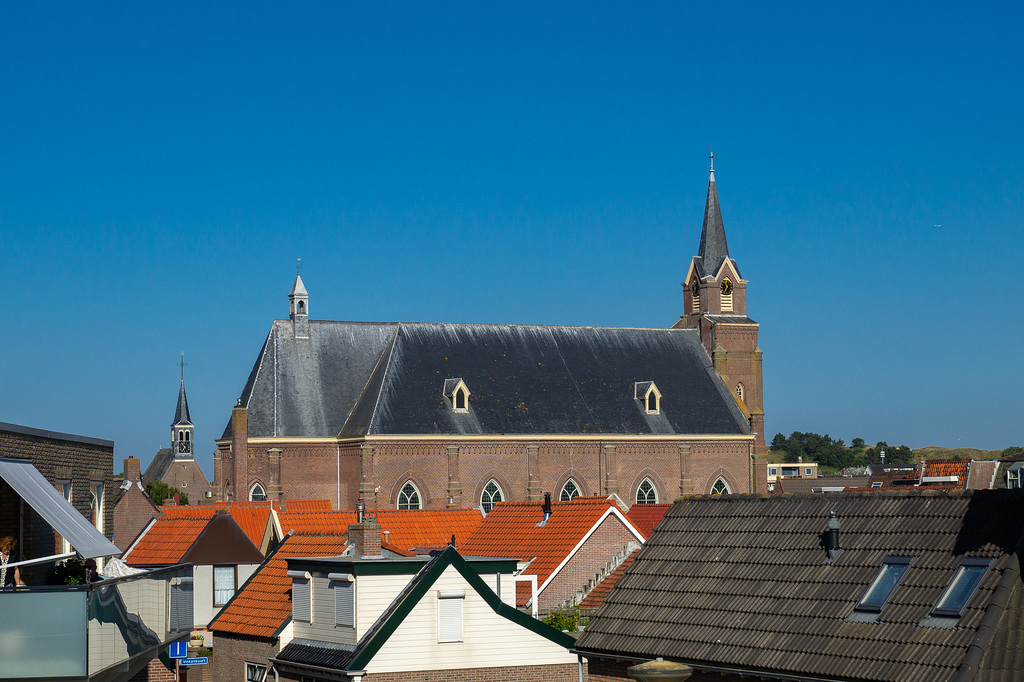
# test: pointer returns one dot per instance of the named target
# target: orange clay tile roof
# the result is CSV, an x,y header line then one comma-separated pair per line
x,y
510,530
949,467
307,505
263,603
646,516
252,517
166,541
597,595
432,528
404,530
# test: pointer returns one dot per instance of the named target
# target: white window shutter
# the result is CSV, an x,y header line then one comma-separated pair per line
x,y
343,606
449,619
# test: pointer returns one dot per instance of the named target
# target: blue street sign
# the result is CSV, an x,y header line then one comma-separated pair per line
x,y
199,660
177,650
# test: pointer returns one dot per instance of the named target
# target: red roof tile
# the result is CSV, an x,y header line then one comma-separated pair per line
x,y
251,516
264,603
307,505
597,595
322,522
646,516
431,528
166,541
510,530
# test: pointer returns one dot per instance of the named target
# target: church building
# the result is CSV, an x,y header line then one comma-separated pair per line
x,y
177,466
398,415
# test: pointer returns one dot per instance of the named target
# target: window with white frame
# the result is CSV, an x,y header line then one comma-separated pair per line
x,y
254,672
258,493
646,493
449,615
491,496
720,487
96,504
570,490
223,584
409,496
1013,475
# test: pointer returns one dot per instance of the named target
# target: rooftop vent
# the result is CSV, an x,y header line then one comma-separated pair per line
x,y
832,537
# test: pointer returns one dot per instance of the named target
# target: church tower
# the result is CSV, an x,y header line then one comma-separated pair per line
x,y
182,429
298,308
715,302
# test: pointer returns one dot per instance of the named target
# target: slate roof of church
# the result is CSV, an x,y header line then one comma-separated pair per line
x,y
358,378
181,415
714,249
740,583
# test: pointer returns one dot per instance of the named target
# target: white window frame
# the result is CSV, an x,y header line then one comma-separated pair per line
x,y
255,668
408,504
488,504
234,583
563,497
252,492
639,490
451,616
726,490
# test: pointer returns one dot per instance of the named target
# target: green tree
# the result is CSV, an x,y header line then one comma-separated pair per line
x,y
160,491
1012,451
857,443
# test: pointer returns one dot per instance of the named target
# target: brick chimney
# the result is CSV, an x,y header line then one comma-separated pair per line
x,y
132,470
240,452
364,536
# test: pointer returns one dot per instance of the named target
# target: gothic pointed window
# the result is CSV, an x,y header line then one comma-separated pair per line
x,y
258,493
720,487
491,496
302,307
646,494
648,395
409,496
739,391
458,393
570,490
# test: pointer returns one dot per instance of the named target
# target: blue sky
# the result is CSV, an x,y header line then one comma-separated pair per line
x,y
162,167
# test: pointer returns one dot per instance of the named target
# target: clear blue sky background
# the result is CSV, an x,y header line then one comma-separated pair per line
x,y
162,165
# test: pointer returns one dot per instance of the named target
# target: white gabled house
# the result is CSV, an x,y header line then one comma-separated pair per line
x,y
381,619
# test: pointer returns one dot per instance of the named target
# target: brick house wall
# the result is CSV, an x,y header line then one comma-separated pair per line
x,y
606,541
231,652
600,467
60,458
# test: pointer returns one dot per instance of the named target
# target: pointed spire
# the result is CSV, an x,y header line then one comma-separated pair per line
x,y
713,247
181,415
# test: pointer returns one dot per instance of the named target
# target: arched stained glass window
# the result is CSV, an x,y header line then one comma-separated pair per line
x,y
491,496
409,496
646,494
570,490
720,487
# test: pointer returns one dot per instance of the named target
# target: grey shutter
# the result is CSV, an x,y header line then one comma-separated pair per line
x,y
343,604
301,607
181,604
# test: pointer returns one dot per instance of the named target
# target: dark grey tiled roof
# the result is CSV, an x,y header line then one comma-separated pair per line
x,y
741,583
181,415
158,467
363,378
321,654
714,250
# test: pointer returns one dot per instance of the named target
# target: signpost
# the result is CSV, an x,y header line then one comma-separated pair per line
x,y
198,660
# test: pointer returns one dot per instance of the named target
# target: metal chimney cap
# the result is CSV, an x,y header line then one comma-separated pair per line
x,y
833,521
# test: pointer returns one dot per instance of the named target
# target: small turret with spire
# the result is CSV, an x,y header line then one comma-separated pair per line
x,y
298,306
182,428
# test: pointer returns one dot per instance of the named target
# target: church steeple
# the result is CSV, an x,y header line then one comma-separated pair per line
x,y
298,307
714,250
182,428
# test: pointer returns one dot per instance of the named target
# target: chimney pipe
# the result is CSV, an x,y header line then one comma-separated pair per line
x,y
832,537
547,506
359,513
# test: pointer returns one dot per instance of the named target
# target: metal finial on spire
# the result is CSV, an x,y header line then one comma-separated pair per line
x,y
298,265
712,157
182,365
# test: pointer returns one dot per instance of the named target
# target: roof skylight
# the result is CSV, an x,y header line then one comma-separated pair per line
x,y
889,576
960,589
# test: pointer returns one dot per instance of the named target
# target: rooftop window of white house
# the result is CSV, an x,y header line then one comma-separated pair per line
x,y
961,588
885,582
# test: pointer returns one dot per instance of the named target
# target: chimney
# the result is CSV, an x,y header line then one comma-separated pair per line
x,y
832,537
239,452
547,509
132,470
364,536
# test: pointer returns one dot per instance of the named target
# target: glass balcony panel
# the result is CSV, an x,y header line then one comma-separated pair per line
x,y
43,633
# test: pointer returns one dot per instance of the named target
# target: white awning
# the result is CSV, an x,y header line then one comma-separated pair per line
x,y
39,494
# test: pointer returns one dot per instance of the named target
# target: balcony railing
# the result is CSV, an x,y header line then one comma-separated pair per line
x,y
86,631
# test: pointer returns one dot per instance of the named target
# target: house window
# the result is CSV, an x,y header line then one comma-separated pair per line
x,y
449,615
343,585
808,471
570,490
961,588
720,487
773,471
876,484
409,496
885,582
223,584
96,504
254,672
490,496
258,493
1013,475
646,494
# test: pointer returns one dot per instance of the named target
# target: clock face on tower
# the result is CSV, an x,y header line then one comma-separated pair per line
x,y
726,288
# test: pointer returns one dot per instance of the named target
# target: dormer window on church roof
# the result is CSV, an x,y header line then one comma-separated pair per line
x,y
649,396
457,392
